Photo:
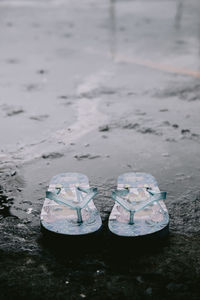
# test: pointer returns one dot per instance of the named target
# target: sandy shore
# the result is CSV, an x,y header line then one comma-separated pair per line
x,y
100,88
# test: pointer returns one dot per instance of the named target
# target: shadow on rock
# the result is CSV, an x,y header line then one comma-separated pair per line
x,y
102,244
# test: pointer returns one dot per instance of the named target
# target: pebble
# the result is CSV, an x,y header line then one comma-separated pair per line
x,y
41,71
63,97
15,112
52,155
149,291
185,131
82,295
104,128
139,279
131,126
39,117
84,156
164,110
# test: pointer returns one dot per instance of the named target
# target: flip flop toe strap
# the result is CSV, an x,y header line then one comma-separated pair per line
x,y
155,197
82,201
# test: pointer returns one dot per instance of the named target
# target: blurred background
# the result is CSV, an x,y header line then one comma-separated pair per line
x,y
54,52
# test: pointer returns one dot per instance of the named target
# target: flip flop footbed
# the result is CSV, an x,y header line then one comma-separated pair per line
x,y
147,221
61,219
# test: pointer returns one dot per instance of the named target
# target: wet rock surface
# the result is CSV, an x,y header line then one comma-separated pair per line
x,y
100,88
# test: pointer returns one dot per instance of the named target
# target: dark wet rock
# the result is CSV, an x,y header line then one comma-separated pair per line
x,y
52,155
106,91
131,126
164,109
100,272
139,127
12,110
187,134
175,126
41,71
148,130
140,279
15,112
13,173
171,140
17,237
149,291
130,93
185,131
86,156
166,123
104,128
39,117
186,211
64,97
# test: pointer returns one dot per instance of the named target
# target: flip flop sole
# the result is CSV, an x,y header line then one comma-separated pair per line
x,y
60,219
150,221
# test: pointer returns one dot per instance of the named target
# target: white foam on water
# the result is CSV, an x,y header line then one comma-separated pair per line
x,y
89,117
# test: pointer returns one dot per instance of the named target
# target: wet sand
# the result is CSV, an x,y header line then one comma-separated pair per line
x,y
100,88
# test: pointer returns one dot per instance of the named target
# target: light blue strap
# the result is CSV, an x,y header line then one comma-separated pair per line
x,y
154,193
83,201
117,196
155,197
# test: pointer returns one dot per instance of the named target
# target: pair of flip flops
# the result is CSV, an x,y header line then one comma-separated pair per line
x,y
138,211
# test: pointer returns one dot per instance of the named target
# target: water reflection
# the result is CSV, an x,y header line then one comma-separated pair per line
x,y
112,20
179,13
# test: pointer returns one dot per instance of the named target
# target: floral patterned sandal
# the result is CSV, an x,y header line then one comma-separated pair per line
x,y
139,209
68,208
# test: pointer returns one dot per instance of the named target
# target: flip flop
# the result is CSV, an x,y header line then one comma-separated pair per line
x,y
68,208
139,209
